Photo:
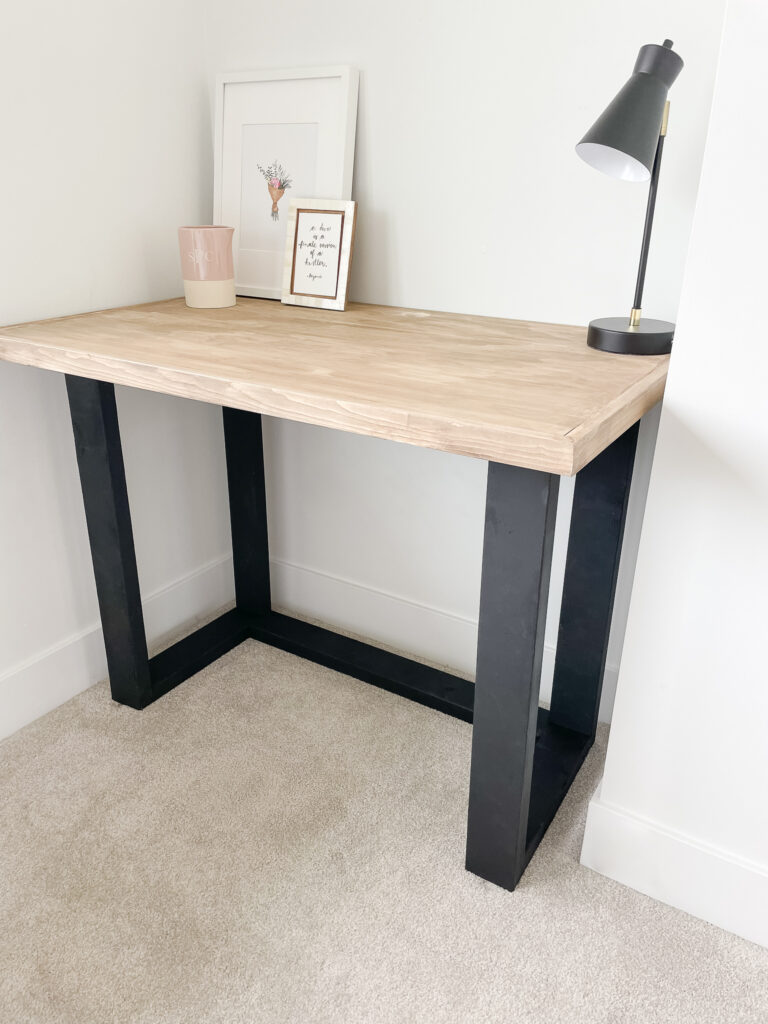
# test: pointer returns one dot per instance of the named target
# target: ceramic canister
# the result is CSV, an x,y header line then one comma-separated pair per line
x,y
206,265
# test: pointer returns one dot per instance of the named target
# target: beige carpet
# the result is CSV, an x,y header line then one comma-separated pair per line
x,y
275,843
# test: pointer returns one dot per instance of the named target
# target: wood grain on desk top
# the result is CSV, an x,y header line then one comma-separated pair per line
x,y
528,394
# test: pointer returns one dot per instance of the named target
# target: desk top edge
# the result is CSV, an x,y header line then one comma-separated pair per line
x,y
562,451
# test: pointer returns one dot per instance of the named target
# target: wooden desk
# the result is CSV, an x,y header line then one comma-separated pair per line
x,y
530,398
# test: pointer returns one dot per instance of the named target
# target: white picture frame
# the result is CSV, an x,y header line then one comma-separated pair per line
x,y
320,237
309,115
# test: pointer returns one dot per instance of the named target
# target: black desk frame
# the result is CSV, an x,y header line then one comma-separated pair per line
x,y
524,758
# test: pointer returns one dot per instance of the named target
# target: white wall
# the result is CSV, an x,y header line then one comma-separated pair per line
x,y
106,149
682,813
471,199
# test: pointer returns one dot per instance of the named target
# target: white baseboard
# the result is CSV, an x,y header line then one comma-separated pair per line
x,y
40,684
437,635
36,686
713,884
431,633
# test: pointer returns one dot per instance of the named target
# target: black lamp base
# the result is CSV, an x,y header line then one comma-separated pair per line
x,y
613,334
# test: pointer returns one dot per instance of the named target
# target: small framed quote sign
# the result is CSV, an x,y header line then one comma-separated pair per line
x,y
318,250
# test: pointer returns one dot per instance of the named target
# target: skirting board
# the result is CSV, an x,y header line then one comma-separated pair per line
x,y
713,884
42,683
55,675
440,637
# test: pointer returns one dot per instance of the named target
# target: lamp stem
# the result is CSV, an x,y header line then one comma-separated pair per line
x,y
638,303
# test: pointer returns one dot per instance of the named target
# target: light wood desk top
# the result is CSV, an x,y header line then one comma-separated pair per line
x,y
527,394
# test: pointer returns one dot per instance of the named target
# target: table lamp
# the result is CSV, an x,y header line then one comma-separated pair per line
x,y
626,142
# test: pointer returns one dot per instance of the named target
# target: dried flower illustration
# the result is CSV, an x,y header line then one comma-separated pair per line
x,y
277,182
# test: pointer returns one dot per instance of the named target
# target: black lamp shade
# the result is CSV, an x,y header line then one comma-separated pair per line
x,y
623,140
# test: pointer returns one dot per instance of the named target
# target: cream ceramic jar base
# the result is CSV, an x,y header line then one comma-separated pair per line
x,y
210,294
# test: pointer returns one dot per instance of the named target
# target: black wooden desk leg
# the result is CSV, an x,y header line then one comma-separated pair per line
x,y
102,477
247,510
600,500
519,528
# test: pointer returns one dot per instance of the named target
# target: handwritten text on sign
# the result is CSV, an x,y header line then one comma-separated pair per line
x,y
317,253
